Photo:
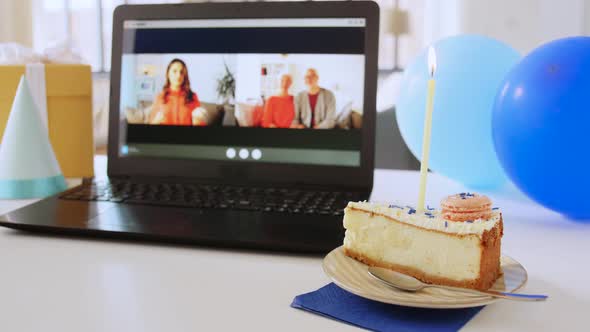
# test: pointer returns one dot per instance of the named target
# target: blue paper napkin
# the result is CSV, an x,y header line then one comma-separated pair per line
x,y
334,302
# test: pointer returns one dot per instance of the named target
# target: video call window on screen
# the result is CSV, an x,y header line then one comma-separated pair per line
x,y
300,91
292,74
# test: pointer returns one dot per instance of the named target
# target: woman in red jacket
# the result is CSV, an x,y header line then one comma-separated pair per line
x,y
279,110
176,103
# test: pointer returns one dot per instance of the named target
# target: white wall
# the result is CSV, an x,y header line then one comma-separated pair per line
x,y
524,24
128,73
16,22
248,77
586,18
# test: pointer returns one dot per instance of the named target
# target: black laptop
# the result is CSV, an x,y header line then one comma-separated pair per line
x,y
231,124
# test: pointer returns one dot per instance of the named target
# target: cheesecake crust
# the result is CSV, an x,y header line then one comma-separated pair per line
x,y
490,244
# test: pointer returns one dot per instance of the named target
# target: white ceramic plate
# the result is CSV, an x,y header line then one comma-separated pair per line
x,y
352,276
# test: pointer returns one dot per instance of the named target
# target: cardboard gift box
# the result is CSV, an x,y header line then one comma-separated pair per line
x,y
69,112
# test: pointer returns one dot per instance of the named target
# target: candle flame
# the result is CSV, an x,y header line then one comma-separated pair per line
x,y
431,61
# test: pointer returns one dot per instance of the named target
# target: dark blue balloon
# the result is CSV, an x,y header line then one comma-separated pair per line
x,y
541,126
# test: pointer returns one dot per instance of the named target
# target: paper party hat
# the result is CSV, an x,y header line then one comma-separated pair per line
x,y
28,167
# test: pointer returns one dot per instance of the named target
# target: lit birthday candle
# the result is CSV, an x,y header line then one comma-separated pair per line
x,y
427,129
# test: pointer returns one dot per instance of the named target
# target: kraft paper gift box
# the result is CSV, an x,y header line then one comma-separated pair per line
x,y
69,112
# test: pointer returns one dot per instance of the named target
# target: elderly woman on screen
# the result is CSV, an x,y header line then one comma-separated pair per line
x,y
279,109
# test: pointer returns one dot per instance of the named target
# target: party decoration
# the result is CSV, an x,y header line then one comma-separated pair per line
x,y
427,130
470,70
541,126
61,87
28,168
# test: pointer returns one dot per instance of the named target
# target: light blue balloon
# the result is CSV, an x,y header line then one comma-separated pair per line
x,y
470,69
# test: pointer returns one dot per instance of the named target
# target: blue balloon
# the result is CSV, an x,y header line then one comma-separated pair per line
x,y
541,126
469,71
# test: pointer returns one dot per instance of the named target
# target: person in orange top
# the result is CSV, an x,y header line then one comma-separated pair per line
x,y
279,110
176,103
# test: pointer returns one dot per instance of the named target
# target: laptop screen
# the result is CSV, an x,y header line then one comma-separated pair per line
x,y
274,90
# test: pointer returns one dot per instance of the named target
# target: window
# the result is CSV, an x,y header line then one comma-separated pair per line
x,y
84,25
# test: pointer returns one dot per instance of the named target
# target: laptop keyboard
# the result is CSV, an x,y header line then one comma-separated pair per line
x,y
215,197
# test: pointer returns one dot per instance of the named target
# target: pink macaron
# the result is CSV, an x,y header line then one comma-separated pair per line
x,y
466,207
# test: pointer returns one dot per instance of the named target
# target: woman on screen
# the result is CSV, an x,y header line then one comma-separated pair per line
x,y
279,110
176,103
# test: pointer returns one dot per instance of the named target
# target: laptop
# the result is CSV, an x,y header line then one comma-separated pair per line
x,y
247,125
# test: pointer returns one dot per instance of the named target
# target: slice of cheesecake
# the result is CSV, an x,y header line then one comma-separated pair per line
x,y
436,247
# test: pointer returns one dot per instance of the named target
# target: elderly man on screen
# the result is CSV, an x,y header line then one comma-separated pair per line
x,y
316,107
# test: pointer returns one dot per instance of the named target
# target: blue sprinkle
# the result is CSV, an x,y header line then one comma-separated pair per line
x,y
428,213
469,221
446,224
431,216
429,208
411,211
495,208
465,195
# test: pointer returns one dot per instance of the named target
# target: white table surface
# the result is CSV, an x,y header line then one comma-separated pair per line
x,y
76,284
